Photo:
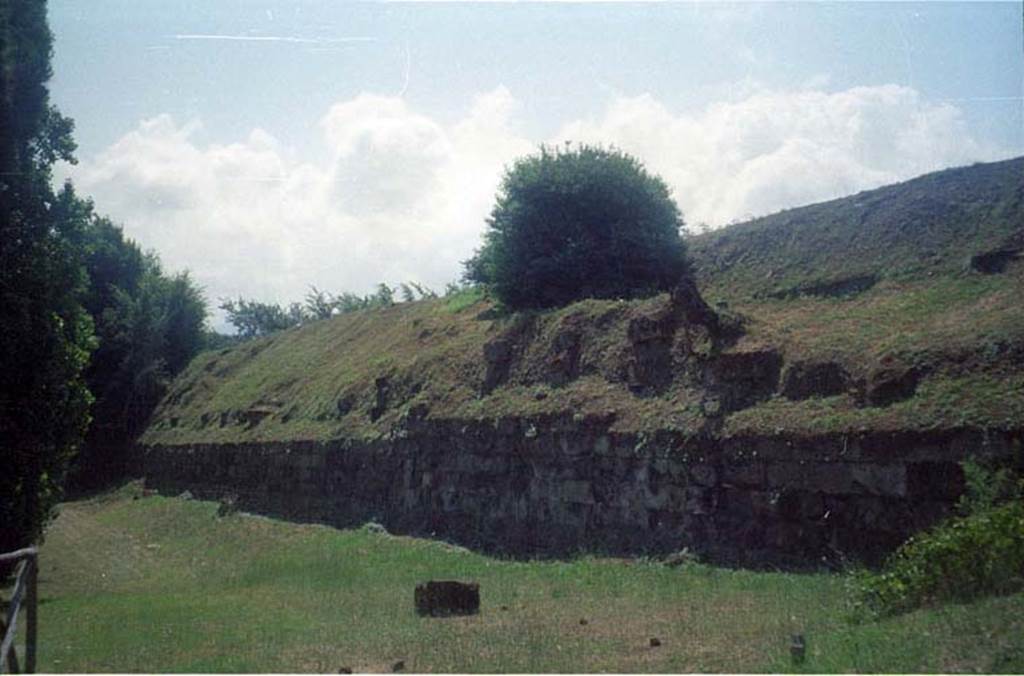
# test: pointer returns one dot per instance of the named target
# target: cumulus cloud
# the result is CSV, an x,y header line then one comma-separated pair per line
x,y
776,150
403,196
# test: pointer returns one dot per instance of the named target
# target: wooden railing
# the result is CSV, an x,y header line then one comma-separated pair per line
x,y
25,580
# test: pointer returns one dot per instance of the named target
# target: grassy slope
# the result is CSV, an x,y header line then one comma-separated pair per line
x,y
925,309
963,323
431,352
928,225
164,584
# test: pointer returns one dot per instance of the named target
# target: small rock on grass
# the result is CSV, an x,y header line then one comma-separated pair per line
x,y
398,666
447,597
655,642
583,622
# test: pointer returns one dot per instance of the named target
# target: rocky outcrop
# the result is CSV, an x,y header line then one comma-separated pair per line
x,y
687,302
889,382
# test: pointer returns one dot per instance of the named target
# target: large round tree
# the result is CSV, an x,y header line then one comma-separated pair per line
x,y
583,222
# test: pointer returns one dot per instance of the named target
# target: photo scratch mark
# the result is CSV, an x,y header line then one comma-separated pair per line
x,y
408,70
273,38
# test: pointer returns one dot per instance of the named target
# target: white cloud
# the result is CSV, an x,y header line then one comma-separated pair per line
x,y
775,150
403,196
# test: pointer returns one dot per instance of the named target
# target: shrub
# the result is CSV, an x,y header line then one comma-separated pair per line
x,y
961,559
986,485
579,223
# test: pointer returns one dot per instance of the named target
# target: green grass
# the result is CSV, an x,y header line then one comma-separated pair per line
x,y
162,584
463,299
976,400
431,352
918,320
926,226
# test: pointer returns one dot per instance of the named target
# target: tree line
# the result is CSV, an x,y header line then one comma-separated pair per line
x,y
253,318
91,327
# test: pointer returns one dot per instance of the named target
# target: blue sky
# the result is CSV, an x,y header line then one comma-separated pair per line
x,y
268,145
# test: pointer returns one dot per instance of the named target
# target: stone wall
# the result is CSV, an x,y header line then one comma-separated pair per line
x,y
564,485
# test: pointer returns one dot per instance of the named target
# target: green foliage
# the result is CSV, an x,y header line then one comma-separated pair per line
x,y
986,486
149,327
45,335
385,296
253,318
579,223
411,289
979,553
961,559
424,292
319,304
214,340
460,298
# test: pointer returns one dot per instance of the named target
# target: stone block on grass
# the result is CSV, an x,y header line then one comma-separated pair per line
x,y
441,598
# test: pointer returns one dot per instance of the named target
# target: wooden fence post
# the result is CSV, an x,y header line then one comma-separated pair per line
x,y
31,625
25,588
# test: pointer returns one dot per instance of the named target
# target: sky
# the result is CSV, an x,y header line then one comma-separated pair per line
x,y
267,146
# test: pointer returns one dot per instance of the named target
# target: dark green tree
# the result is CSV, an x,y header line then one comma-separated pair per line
x,y
319,304
252,318
45,334
149,327
576,223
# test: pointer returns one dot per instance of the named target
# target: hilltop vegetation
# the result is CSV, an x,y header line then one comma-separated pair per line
x,y
579,223
946,339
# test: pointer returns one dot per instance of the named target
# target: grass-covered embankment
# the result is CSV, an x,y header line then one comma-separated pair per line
x,y
160,584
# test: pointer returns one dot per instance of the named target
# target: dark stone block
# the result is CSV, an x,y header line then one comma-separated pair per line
x,y
993,262
704,474
745,378
745,474
564,357
806,380
941,480
891,383
790,504
440,598
649,366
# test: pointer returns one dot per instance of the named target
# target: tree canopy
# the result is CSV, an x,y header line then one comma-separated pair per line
x,y
45,334
81,308
573,223
148,324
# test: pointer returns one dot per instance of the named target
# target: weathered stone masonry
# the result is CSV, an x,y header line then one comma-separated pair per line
x,y
563,485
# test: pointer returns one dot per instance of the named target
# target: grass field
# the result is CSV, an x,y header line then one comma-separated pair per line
x,y
132,583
